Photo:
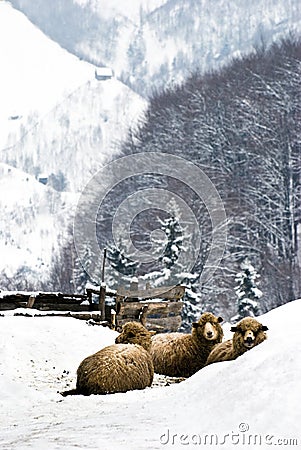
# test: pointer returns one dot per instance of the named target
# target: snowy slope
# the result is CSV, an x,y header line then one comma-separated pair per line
x,y
153,43
35,72
56,120
54,115
79,135
254,397
33,219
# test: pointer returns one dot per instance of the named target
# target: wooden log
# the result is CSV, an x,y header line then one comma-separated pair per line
x,y
76,315
167,292
154,308
160,325
6,306
63,307
160,316
97,292
43,297
164,325
60,300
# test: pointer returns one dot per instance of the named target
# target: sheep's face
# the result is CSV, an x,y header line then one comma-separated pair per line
x,y
248,333
208,327
135,333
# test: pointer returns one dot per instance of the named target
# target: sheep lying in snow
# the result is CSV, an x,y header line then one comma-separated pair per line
x,y
247,333
181,355
124,366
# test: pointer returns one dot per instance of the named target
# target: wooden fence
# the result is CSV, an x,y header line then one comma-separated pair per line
x,y
159,308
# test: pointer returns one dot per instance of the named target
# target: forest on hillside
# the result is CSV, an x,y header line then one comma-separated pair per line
x,y
241,126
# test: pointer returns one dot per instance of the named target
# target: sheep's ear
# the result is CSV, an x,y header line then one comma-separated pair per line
x,y
220,319
195,324
233,329
264,328
130,334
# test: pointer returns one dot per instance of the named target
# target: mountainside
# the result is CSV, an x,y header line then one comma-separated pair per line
x,y
34,219
58,124
151,44
241,126
35,72
78,136
61,123
55,116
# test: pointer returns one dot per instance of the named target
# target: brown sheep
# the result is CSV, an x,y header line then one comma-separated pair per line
x,y
181,355
122,367
247,334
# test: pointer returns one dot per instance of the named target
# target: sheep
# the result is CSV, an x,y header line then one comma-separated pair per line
x,y
181,355
121,367
247,334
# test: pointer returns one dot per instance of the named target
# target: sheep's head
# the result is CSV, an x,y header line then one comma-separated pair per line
x,y
248,333
135,333
208,328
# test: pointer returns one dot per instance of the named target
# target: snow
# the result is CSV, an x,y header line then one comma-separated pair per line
x,y
256,396
38,72
54,115
33,218
56,119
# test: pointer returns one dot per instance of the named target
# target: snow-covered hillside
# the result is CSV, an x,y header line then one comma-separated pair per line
x,y
153,43
34,219
56,121
54,115
252,402
35,72
79,135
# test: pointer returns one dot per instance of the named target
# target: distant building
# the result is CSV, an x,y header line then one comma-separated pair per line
x,y
43,179
103,73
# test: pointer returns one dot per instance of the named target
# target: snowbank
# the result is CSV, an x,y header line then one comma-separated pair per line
x,y
254,399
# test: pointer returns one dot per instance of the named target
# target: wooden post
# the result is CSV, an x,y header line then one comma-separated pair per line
x,y
142,315
103,265
31,301
102,290
89,295
133,287
113,318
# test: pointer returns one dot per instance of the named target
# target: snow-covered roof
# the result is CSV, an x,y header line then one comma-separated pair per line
x,y
103,72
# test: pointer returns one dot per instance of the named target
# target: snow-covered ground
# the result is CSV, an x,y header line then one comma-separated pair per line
x,y
252,402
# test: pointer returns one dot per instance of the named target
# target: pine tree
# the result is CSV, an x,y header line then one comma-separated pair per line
x,y
174,235
170,269
247,292
168,243
122,265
